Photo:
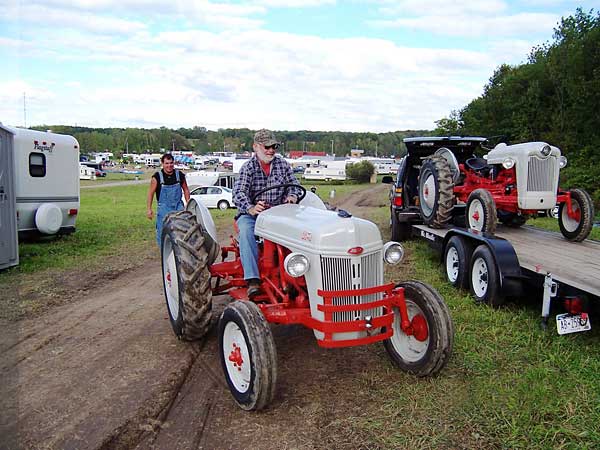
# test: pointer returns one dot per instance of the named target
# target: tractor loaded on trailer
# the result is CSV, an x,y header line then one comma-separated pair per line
x,y
449,196
319,268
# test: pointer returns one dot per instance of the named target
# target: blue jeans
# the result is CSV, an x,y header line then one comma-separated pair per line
x,y
248,246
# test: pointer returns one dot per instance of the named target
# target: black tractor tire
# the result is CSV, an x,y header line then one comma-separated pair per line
x,y
456,259
481,211
436,208
252,381
512,220
189,302
485,277
422,358
577,231
400,230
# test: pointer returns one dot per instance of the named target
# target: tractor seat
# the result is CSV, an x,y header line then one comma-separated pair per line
x,y
477,164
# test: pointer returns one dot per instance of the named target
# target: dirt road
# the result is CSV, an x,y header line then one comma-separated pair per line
x,y
105,372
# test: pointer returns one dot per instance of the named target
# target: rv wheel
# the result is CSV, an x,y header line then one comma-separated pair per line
x,y
427,350
436,192
186,279
578,228
481,211
248,356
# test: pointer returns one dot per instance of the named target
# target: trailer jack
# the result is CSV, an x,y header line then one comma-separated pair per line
x,y
550,290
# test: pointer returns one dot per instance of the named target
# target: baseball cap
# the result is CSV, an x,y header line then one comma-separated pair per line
x,y
265,137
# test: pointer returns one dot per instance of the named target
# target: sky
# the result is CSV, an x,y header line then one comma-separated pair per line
x,y
347,65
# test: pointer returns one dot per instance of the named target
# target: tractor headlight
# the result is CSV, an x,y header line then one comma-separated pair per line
x,y
393,253
296,264
562,162
508,163
546,150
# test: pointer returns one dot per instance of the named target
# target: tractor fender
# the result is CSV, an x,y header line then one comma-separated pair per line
x,y
209,230
505,257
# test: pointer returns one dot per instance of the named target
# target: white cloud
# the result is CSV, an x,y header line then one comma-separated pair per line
x,y
477,26
443,7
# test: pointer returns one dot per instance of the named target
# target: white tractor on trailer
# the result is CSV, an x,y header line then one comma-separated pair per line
x,y
439,183
319,268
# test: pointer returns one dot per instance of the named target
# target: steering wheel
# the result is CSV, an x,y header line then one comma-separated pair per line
x,y
279,186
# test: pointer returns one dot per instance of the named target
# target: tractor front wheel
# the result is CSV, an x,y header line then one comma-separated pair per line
x,y
578,228
248,355
481,211
427,349
186,278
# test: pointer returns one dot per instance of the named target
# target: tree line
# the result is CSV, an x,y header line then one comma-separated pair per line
x,y
201,140
554,97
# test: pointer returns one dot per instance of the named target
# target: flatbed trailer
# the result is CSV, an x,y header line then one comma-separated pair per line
x,y
500,266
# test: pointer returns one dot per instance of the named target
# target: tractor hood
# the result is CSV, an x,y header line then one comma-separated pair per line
x,y
308,229
503,151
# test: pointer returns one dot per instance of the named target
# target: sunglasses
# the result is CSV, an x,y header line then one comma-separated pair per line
x,y
274,147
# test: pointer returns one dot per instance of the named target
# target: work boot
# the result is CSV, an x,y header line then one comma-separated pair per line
x,y
253,287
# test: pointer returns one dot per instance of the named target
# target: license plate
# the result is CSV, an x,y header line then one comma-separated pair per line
x,y
573,323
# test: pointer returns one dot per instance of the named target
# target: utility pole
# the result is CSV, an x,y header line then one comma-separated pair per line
x,y
332,153
375,149
24,111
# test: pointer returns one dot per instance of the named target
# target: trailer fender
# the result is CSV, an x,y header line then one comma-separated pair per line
x,y
209,230
504,254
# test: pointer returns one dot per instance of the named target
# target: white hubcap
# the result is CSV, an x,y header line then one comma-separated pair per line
x,y
476,215
409,348
428,194
170,279
452,264
237,357
479,277
569,223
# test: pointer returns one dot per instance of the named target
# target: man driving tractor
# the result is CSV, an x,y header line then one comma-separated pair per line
x,y
262,171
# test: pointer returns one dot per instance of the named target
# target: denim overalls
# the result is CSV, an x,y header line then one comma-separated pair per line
x,y
169,201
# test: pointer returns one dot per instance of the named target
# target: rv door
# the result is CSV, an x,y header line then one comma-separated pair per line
x,y
9,244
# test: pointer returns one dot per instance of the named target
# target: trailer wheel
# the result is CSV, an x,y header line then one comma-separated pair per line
x,y
436,192
577,230
481,211
248,356
427,351
485,278
456,257
400,230
186,279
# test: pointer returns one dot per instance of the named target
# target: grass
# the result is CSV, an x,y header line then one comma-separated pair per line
x,y
508,384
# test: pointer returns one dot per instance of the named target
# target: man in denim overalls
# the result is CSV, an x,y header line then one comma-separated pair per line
x,y
168,184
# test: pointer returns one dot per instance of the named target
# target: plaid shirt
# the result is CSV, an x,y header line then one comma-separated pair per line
x,y
252,179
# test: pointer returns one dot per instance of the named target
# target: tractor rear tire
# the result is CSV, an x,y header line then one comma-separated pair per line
x,y
481,211
422,357
436,192
400,230
571,229
186,278
248,355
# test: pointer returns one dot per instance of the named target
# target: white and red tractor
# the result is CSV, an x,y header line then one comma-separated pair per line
x,y
510,183
319,268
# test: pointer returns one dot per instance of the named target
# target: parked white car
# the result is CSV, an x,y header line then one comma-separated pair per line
x,y
213,196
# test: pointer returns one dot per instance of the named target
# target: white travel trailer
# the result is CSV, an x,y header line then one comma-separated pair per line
x,y
207,178
46,180
324,173
86,172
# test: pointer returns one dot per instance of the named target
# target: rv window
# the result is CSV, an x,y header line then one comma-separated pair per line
x,y
37,164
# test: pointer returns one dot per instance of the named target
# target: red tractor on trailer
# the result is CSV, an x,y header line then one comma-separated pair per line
x,y
319,268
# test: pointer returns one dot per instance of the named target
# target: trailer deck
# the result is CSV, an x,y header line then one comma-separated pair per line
x,y
575,264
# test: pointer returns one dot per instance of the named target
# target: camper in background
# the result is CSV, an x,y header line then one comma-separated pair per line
x,y
46,169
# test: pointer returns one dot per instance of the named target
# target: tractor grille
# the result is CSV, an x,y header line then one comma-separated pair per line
x,y
541,174
353,273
